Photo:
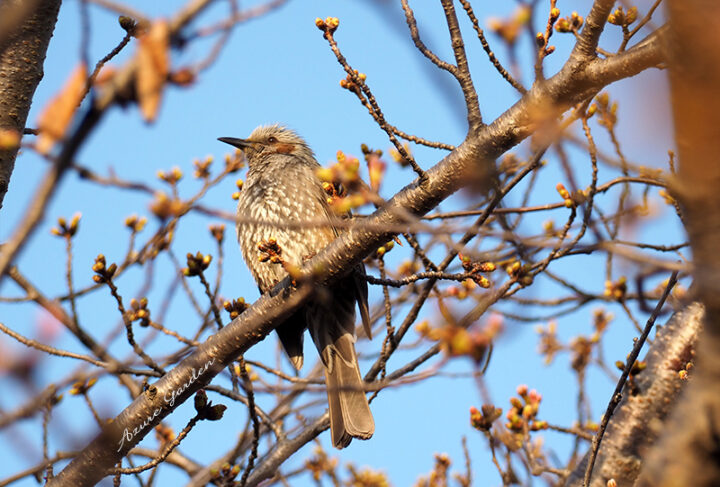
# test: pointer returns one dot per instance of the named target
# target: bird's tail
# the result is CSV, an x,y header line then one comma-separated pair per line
x,y
350,415
332,326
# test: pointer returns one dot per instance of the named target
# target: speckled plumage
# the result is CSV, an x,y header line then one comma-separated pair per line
x,y
281,187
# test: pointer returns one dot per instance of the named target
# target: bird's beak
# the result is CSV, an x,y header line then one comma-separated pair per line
x,y
241,144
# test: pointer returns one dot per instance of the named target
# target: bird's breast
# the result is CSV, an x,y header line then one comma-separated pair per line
x,y
289,208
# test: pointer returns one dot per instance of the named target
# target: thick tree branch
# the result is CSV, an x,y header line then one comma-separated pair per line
x,y
689,451
22,54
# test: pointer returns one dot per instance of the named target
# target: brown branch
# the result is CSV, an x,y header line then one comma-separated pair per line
x,y
22,53
486,47
463,70
590,36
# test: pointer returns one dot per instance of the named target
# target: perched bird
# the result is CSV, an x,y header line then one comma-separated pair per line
x,y
282,187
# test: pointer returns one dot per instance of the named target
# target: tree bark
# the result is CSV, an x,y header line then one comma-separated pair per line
x,y
639,419
22,54
689,452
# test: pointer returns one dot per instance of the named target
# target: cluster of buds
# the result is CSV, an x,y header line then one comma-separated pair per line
x,y
251,374
135,223
482,420
205,408
239,184
270,250
334,191
346,171
457,341
684,373
329,25
82,386
103,273
522,416
217,232
376,166
601,319
637,366
65,229
607,112
341,177
475,268
202,168
384,249
226,474
581,348
164,433
408,268
569,24
565,195
616,290
550,229
621,18
353,82
543,38
439,474
572,200
366,477
549,343
520,272
196,264
342,206
139,311
509,29
235,307
172,176
9,139
163,207
460,292
667,197
320,463
234,162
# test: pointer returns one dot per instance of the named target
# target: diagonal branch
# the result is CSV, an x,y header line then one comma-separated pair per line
x,y
590,36
463,70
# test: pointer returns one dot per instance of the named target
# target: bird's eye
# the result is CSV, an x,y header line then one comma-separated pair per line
x,y
272,139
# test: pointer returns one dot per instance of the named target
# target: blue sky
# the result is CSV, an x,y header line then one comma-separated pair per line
x,y
279,69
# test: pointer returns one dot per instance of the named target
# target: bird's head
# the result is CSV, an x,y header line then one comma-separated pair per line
x,y
268,140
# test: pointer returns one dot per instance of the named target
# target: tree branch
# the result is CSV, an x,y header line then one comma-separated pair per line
x,y
22,54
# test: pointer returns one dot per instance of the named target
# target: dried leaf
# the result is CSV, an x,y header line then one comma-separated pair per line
x,y
55,118
153,59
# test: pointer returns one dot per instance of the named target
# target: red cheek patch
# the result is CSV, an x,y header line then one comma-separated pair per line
x,y
284,148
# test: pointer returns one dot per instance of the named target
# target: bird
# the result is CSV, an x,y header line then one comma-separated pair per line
x,y
282,187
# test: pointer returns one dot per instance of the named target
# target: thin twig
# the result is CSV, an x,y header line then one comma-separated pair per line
x,y
629,362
